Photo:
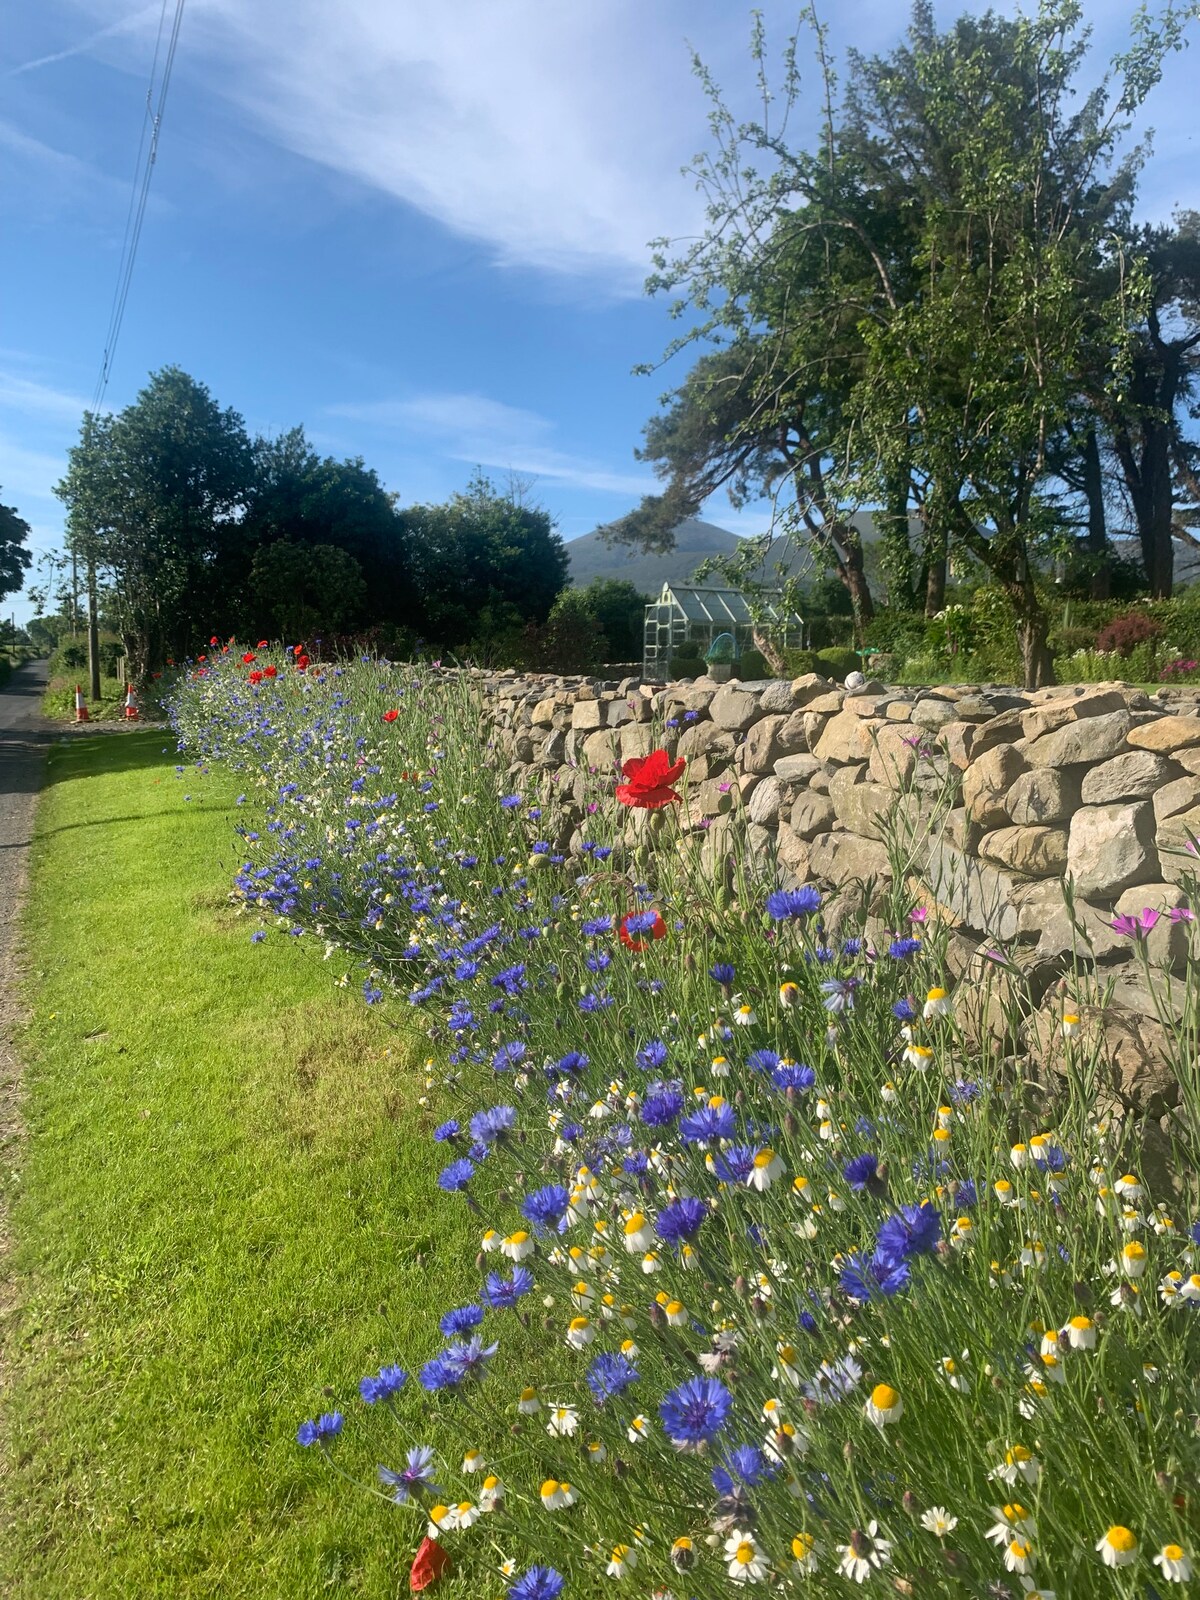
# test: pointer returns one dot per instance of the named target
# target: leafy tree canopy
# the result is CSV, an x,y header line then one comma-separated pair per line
x,y
15,559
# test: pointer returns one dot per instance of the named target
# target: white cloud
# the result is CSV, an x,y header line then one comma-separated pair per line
x,y
485,432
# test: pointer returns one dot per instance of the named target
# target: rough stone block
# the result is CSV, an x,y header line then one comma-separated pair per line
x,y
980,895
812,814
765,802
861,807
600,749
764,744
955,739
894,756
1043,796
1088,740
733,708
797,769
810,686
1111,847
706,738
1136,775
1181,794
933,713
586,715
1166,734
1061,709
1035,852
843,858
846,738
986,783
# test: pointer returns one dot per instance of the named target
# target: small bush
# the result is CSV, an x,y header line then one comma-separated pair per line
x,y
798,662
836,662
70,656
754,665
1123,634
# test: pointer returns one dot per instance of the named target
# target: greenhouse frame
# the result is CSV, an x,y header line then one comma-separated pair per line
x,y
687,613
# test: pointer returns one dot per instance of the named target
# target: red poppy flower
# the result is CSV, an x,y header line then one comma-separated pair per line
x,y
202,658
390,716
648,781
262,644
214,640
301,663
269,672
248,658
429,1564
633,938
256,677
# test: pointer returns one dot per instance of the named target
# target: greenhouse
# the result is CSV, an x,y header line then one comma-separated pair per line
x,y
686,618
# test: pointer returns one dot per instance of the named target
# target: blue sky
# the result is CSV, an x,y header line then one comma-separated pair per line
x,y
418,227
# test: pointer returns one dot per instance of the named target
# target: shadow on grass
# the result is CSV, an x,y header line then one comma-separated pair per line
x,y
106,754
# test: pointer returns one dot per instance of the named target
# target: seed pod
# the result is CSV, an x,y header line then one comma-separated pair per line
x,y
739,1286
910,1503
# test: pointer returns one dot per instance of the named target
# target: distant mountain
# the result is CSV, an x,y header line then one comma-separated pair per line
x,y
695,541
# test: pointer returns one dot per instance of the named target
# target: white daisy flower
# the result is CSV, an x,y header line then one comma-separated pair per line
x,y
1174,1563
867,1552
938,1521
744,1560
1118,1547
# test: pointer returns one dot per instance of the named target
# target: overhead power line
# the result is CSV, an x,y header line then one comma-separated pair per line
x,y
156,99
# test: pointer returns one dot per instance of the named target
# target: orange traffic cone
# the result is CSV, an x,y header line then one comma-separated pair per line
x,y
131,709
81,710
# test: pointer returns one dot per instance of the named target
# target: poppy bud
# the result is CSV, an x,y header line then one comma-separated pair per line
x,y
739,1286
689,961
328,1392
789,1121
910,1503
848,1458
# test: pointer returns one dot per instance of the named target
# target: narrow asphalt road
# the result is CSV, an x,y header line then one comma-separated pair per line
x,y
25,737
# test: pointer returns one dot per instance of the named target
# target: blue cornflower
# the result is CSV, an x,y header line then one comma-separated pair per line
x,y
680,1220
503,1293
455,1178
511,801
596,926
569,1066
257,936
735,1164
491,1125
882,1274
793,1075
660,1110
641,922
839,993
609,1376
415,1478
862,1170
722,972
383,1384
327,1426
461,1320
546,1208
595,1002
468,1359
745,1462
966,1194
707,1125
1051,1156
512,980
901,949
695,1412
964,1090
762,1060
635,1164
912,1231
447,1130
852,947
785,903
508,1056
1194,1233
652,1056
537,1583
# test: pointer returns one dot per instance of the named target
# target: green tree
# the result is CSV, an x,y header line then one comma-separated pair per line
x,y
303,591
904,312
481,552
307,499
15,559
570,640
150,493
619,608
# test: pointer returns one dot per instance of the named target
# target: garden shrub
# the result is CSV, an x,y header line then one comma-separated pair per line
x,y
1124,633
753,666
784,1283
836,662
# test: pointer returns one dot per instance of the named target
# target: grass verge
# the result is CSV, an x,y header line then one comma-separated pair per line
x,y
226,1202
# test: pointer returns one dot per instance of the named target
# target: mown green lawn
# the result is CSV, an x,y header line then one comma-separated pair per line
x,y
226,1202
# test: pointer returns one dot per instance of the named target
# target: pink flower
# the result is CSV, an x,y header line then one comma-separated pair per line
x,y
1181,914
1135,927
920,914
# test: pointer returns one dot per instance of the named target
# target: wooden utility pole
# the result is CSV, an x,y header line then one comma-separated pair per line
x,y
93,632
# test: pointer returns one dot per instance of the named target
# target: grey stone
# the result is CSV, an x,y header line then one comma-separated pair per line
x,y
955,739
637,740
586,715
1089,740
812,814
793,856
1004,729
1136,775
846,738
765,802
797,768
1111,847
843,858
1181,794
758,751
810,686
893,757
1168,942
986,783
1056,712
778,697
1045,795
1035,852
975,893
933,713
706,738
733,708
1167,733
862,808
600,749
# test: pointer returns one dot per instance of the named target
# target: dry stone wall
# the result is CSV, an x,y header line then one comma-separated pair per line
x,y
1001,795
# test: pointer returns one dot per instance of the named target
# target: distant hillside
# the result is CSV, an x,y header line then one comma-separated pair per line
x,y
695,541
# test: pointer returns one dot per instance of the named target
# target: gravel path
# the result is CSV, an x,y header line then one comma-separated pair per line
x,y
25,736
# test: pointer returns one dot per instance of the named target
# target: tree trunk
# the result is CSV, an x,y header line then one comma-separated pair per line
x,y
1154,514
770,653
1033,627
849,557
936,560
1100,578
